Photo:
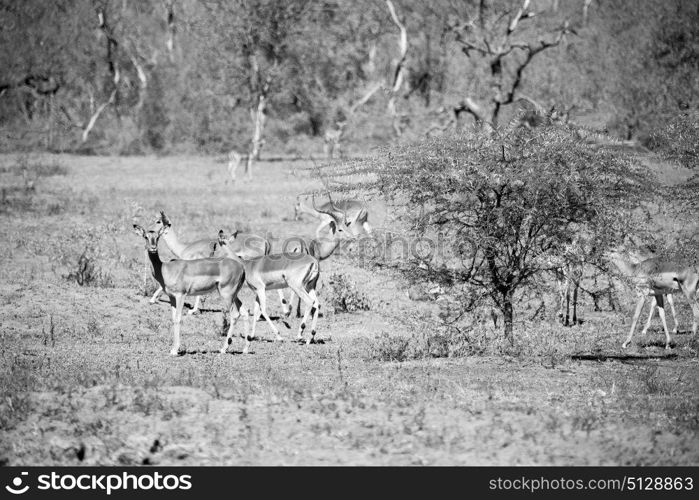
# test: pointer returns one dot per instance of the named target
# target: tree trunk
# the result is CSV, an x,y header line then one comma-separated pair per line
x,y
508,314
258,115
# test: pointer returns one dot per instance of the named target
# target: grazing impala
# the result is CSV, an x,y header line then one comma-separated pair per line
x,y
354,212
659,278
246,245
179,278
320,248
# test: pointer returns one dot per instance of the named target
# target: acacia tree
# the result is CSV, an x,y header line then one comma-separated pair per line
x,y
508,205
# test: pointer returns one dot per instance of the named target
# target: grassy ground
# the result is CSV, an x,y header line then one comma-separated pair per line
x,y
85,376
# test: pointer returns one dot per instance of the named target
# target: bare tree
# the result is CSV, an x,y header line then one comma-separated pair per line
x,y
496,39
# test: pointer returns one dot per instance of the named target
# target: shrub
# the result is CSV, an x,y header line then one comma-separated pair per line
x,y
87,273
344,296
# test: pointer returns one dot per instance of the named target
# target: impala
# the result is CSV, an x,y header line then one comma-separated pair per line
x,y
298,271
354,212
246,245
320,248
659,278
179,278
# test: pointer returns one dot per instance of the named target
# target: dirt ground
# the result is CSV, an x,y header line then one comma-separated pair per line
x,y
86,377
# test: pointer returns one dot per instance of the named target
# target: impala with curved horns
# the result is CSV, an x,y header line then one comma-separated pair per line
x,y
320,247
179,278
354,212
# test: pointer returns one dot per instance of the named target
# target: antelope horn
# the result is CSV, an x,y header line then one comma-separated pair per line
x,y
318,209
336,208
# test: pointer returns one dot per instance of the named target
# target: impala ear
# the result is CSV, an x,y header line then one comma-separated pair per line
x,y
163,217
139,230
234,235
221,237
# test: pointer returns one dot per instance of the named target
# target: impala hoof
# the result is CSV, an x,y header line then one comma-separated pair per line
x,y
624,345
174,352
223,350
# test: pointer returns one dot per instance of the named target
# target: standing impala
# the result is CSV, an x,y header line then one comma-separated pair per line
x,y
354,212
295,270
179,278
659,278
246,245
321,248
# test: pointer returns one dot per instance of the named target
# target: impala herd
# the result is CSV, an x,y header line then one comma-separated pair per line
x,y
231,261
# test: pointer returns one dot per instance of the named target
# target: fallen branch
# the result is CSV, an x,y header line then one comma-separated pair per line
x,y
621,357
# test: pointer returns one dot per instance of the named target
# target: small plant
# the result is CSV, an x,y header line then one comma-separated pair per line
x,y
87,274
652,382
345,296
16,382
390,348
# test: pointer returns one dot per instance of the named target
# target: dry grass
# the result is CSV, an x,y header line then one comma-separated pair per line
x,y
86,378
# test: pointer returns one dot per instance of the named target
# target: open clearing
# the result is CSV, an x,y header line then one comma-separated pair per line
x,y
86,377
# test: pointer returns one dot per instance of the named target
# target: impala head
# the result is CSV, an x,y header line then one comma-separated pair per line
x,y
221,248
339,216
163,222
152,236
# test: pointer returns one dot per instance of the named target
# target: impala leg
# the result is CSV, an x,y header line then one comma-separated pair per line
x,y
311,307
671,302
653,303
286,305
197,304
298,305
639,308
315,310
232,307
695,310
179,303
693,297
262,304
661,312
155,296
255,317
244,313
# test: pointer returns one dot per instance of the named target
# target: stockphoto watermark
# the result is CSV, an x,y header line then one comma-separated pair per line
x,y
382,247
96,482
